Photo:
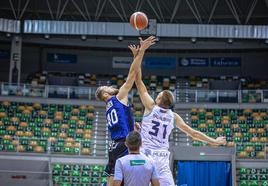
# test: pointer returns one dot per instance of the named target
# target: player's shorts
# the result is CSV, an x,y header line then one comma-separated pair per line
x,y
161,162
117,150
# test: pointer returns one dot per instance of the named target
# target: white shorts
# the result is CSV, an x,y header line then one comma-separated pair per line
x,y
161,162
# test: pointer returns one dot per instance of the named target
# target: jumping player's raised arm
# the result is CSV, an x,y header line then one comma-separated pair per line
x,y
135,66
146,99
197,135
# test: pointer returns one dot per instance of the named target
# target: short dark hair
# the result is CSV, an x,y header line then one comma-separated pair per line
x,y
133,141
167,99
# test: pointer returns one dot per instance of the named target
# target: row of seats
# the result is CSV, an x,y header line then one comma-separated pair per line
x,y
252,177
251,96
246,128
35,127
154,83
87,79
251,83
40,78
78,174
203,82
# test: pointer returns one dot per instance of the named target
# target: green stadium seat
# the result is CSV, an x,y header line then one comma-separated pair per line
x,y
85,173
103,180
56,172
253,183
66,173
57,167
95,174
263,177
253,177
243,171
244,183
243,177
75,173
95,180
56,179
263,171
85,180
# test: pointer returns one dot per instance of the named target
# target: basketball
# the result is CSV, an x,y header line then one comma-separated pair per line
x,y
139,20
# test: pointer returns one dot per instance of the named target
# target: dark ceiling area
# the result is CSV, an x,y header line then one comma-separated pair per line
x,y
241,12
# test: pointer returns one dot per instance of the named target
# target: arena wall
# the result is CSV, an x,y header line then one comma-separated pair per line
x,y
100,62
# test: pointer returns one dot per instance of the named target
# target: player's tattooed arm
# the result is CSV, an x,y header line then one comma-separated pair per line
x,y
197,135
146,99
134,68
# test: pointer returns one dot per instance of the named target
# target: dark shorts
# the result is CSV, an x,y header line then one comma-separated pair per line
x,y
117,150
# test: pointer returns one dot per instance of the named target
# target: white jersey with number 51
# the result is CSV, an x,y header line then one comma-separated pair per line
x,y
156,128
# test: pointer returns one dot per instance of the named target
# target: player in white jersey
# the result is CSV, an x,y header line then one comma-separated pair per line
x,y
156,127
157,124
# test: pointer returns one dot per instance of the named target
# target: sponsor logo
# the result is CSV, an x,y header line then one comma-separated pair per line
x,y
109,105
137,162
184,62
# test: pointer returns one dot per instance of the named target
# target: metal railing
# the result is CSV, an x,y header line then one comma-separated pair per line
x,y
181,95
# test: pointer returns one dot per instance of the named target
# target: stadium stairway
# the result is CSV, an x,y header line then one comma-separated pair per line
x,y
179,137
100,134
183,86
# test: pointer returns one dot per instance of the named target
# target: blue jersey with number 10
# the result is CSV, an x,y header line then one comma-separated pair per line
x,y
119,118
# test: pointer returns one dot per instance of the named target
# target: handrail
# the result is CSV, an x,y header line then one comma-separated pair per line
x,y
181,95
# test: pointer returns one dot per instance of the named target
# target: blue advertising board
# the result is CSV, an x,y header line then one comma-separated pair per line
x,y
194,62
225,62
61,58
160,62
4,55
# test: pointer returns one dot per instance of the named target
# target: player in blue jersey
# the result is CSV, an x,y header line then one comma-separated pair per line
x,y
118,112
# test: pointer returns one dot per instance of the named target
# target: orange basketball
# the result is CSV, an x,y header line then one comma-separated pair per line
x,y
139,20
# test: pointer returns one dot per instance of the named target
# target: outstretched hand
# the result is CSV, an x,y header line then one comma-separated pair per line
x,y
221,140
145,44
137,127
134,49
